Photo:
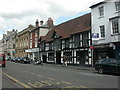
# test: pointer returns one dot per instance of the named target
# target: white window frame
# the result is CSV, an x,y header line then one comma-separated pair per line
x,y
117,5
36,42
30,44
115,29
102,31
101,11
36,34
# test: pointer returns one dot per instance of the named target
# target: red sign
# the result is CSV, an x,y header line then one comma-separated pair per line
x,y
91,47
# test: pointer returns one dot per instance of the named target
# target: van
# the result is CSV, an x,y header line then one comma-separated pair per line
x,y
2,60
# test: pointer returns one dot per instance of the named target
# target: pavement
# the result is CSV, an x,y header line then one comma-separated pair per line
x,y
73,66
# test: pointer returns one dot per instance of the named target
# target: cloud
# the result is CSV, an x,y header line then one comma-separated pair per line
x,y
18,14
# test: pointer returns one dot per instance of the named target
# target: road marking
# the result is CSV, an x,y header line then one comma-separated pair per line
x,y
51,78
17,81
39,75
33,73
36,84
71,87
65,82
83,87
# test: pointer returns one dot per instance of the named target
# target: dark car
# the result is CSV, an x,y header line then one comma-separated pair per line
x,y
25,60
13,59
17,59
108,65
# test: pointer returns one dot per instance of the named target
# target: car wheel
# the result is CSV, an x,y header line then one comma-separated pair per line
x,y
100,71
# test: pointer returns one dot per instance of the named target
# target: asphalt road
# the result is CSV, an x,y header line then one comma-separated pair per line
x,y
17,75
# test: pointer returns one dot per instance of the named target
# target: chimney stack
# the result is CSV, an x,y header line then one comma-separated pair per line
x,y
37,23
41,22
50,22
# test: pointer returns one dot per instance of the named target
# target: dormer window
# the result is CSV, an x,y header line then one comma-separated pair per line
x,y
101,11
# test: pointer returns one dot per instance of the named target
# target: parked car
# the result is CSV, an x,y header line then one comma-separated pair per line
x,y
14,59
8,58
17,59
25,60
108,65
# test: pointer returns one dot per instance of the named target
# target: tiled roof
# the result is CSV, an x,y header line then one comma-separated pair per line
x,y
79,24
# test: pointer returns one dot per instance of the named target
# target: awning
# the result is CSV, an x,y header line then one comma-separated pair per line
x,y
32,50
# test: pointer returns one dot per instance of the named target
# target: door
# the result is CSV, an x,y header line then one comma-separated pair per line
x,y
82,56
58,57
44,58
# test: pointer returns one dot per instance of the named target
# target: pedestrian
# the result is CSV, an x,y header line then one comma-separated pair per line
x,y
64,60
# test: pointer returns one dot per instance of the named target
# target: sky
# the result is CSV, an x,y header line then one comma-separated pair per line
x,y
18,14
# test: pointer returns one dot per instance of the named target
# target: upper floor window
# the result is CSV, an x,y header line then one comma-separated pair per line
x,y
115,26
85,39
67,43
42,46
36,42
36,33
30,35
78,40
101,11
102,31
51,46
117,6
57,44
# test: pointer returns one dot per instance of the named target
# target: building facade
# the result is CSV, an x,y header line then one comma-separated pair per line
x,y
106,29
1,47
40,29
22,42
71,38
8,43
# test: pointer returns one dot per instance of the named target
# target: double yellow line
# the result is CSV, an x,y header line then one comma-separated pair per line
x,y
17,81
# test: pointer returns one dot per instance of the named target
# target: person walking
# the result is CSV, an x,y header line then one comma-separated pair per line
x,y
64,60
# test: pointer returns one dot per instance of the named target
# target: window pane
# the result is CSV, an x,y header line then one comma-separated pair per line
x,y
115,26
101,11
102,30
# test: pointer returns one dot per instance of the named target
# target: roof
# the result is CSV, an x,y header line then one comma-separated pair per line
x,y
26,30
97,4
64,30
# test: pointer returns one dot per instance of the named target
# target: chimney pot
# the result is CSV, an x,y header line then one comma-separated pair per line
x,y
50,22
37,23
41,22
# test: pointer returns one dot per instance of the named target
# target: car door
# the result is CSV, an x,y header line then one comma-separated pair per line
x,y
114,66
106,65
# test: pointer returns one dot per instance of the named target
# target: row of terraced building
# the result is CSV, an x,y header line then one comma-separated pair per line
x,y
83,39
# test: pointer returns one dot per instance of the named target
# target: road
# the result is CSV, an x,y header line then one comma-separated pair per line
x,y
54,76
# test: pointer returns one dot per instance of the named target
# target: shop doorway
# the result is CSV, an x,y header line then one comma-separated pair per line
x,y
44,58
58,57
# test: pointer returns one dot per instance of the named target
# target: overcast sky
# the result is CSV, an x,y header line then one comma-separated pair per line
x,y
18,14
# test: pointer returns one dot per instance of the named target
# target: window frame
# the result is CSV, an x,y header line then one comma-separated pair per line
x,y
117,6
115,27
101,11
102,31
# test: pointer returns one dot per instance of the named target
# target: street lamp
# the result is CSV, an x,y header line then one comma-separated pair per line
x,y
39,49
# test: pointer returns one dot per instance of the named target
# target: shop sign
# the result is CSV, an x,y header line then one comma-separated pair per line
x,y
101,46
95,35
91,47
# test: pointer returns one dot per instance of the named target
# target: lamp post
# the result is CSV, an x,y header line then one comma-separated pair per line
x,y
39,50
